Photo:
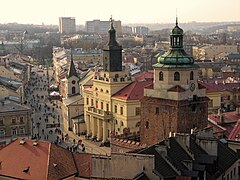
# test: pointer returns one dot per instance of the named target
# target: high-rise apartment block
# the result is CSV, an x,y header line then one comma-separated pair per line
x,y
67,25
101,27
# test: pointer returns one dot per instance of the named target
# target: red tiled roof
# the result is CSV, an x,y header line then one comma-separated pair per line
x,y
61,163
228,117
177,88
83,163
143,76
235,132
44,161
133,91
219,87
15,158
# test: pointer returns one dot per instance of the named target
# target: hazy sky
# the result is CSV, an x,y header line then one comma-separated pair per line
x,y
128,11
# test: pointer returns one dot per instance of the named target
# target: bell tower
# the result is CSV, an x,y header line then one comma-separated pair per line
x,y
73,87
112,52
176,102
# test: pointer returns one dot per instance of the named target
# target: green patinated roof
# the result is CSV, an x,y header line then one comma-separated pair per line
x,y
176,55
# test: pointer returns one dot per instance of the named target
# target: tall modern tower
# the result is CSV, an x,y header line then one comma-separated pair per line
x,y
67,25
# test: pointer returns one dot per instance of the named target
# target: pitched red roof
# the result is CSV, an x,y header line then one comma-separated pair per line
x,y
84,164
44,161
219,87
15,158
177,88
144,76
133,91
235,133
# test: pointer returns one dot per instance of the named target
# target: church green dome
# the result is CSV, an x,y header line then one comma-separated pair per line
x,y
176,55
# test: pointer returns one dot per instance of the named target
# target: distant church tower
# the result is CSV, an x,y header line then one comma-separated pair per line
x,y
72,80
176,102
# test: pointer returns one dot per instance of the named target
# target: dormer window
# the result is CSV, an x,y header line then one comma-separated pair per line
x,y
191,75
160,76
176,76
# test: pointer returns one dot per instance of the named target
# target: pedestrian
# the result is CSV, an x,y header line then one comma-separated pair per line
x,y
83,148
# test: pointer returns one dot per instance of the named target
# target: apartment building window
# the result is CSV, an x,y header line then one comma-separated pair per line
x,y
21,130
147,125
107,107
121,110
2,132
14,131
13,121
101,105
210,103
115,108
157,110
137,111
21,120
87,101
91,102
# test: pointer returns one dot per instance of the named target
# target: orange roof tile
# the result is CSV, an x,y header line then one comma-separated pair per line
x,y
235,132
44,161
15,158
83,163
133,91
144,76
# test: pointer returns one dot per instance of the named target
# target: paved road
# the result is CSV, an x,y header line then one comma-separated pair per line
x,y
49,112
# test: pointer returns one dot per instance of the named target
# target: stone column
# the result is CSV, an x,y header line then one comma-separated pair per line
x,y
99,133
105,131
93,126
88,125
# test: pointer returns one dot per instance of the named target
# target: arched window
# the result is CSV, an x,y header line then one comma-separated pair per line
x,y
191,75
73,90
160,76
116,76
147,125
176,76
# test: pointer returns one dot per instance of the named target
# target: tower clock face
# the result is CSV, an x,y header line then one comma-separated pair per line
x,y
192,87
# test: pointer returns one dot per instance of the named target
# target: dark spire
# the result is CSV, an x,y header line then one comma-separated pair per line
x,y
112,35
72,71
176,21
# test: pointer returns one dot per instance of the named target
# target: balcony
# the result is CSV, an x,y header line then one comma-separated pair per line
x,y
100,113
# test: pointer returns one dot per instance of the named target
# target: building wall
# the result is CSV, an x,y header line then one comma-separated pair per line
x,y
67,25
214,101
102,27
115,166
8,125
161,116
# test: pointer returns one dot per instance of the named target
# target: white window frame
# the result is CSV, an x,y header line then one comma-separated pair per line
x,y
12,130
21,130
2,132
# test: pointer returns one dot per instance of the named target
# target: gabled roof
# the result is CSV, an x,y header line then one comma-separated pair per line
x,y
43,161
142,76
177,88
235,133
11,106
133,91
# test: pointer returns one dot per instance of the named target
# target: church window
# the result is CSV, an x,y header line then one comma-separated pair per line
x,y
115,108
73,82
101,105
73,90
107,91
147,125
107,107
160,76
96,104
191,75
176,76
96,89
101,90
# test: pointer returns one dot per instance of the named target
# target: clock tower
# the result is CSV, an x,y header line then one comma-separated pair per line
x,y
176,102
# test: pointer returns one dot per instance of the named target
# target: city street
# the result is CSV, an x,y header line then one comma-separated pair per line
x,y
46,117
